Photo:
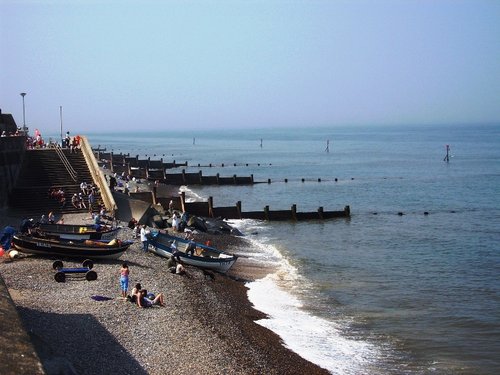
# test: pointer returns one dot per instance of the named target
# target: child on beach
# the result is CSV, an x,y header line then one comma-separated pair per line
x,y
124,272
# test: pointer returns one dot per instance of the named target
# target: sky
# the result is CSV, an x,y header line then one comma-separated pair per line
x,y
158,65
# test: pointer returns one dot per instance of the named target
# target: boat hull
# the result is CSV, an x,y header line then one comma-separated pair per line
x,y
66,249
78,232
220,261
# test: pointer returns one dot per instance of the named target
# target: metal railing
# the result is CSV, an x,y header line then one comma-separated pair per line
x,y
66,163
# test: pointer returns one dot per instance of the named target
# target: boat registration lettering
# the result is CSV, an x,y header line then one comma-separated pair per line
x,y
43,244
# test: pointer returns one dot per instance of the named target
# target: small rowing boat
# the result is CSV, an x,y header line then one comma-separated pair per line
x,y
203,256
83,249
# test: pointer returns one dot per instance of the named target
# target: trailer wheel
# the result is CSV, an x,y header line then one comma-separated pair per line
x,y
60,277
91,275
87,263
57,265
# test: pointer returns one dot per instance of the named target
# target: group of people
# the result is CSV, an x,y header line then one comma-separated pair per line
x,y
29,226
77,201
49,219
72,143
179,223
138,295
11,134
123,181
58,195
86,198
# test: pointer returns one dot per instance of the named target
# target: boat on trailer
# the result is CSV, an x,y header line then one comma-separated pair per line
x,y
82,249
203,256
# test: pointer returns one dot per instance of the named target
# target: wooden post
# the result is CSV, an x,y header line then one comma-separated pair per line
x,y
447,157
154,195
234,179
217,175
238,207
294,212
252,177
266,213
347,210
200,173
210,206
183,201
111,162
184,176
320,212
268,180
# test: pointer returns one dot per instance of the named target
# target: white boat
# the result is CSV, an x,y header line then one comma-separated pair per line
x,y
206,257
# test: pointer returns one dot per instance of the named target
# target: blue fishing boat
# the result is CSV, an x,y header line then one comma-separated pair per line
x,y
202,256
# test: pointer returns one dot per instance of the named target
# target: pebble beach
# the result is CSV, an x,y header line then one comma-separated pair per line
x,y
207,326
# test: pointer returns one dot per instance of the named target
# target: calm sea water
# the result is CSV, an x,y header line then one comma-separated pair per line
x,y
378,293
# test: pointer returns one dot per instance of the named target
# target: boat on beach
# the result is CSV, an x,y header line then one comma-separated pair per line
x,y
83,249
78,232
204,256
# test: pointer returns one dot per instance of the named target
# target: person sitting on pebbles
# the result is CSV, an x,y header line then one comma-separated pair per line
x,y
146,300
135,292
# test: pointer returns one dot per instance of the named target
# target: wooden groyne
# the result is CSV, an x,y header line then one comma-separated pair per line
x,y
155,170
208,209
134,167
197,178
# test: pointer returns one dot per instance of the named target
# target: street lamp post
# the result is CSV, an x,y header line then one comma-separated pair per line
x,y
23,94
60,115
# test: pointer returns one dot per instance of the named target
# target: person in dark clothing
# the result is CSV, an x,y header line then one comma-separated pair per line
x,y
26,226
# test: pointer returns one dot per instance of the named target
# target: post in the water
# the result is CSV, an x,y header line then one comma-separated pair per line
x,y
447,157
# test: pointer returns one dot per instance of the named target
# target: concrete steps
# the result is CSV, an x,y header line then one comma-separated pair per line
x,y
43,170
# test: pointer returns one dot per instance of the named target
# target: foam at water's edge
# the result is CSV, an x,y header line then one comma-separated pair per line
x,y
313,338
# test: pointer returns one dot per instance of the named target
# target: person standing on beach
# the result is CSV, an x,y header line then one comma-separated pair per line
x,y
124,272
91,199
144,238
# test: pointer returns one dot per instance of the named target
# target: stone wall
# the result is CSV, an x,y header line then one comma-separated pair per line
x,y
11,157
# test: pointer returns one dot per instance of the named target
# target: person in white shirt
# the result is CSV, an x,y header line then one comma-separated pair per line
x,y
144,238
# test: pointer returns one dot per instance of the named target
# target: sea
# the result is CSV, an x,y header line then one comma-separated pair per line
x,y
409,284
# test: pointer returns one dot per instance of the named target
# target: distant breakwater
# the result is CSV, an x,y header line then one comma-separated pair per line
x,y
155,170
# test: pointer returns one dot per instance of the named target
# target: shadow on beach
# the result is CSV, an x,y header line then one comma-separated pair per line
x,y
94,351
